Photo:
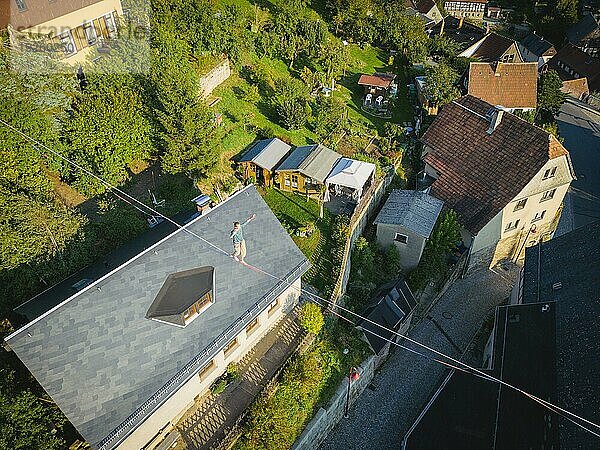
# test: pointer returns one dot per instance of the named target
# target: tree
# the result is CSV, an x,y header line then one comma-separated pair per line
x,y
311,318
108,130
550,97
441,84
290,103
403,32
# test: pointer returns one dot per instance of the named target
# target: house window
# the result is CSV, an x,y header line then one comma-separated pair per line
x,y
538,216
295,181
229,348
548,195
191,313
21,5
110,25
90,33
512,225
520,204
67,44
273,307
252,326
402,238
206,369
549,173
287,181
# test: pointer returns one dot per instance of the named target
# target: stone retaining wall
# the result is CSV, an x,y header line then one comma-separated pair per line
x,y
215,77
327,418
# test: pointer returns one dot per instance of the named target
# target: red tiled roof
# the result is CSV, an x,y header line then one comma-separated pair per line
x,y
512,85
480,173
379,79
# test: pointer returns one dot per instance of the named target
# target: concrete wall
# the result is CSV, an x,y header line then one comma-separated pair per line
x,y
173,409
410,253
215,77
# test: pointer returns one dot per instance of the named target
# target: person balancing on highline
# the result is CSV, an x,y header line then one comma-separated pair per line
x,y
237,238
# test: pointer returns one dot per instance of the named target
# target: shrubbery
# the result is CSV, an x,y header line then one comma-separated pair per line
x,y
311,318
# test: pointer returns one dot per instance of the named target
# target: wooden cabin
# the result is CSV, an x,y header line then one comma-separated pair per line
x,y
260,161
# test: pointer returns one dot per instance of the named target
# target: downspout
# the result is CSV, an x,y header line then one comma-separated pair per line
x,y
466,268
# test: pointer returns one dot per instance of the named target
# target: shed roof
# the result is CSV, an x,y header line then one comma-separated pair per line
x,y
413,210
481,172
315,161
511,85
266,153
351,173
389,306
378,79
108,367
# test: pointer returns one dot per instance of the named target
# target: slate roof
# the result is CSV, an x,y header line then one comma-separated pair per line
x,y
580,62
314,161
108,367
491,47
572,260
468,412
587,26
537,45
413,210
266,153
512,85
379,79
480,173
389,306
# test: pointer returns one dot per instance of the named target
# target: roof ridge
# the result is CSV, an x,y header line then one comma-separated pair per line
x,y
311,156
126,263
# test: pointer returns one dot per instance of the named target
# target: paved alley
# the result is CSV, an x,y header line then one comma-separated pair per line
x,y
382,415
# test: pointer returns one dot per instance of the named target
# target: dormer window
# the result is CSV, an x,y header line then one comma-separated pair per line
x,y
183,297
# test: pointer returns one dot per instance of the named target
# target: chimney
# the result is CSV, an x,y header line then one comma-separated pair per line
x,y
495,119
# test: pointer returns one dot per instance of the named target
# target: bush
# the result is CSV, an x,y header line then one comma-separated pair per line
x,y
218,386
233,372
311,318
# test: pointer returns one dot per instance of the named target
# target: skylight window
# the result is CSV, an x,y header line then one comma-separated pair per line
x,y
183,297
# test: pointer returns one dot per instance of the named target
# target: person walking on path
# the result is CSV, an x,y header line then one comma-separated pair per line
x,y
237,238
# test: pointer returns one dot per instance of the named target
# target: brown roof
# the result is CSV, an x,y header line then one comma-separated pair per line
x,y
40,11
379,79
576,87
492,47
512,85
424,6
583,64
480,173
4,13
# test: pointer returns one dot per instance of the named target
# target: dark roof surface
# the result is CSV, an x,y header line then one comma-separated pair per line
x,y
378,79
480,173
413,210
468,412
390,305
180,291
573,260
315,161
584,64
537,45
266,153
511,85
103,361
582,29
465,36
492,47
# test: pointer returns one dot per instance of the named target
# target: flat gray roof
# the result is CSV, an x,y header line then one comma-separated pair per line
x,y
108,367
413,210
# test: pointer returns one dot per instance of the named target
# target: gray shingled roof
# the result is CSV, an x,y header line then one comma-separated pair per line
x,y
413,210
108,367
315,161
266,153
536,44
571,260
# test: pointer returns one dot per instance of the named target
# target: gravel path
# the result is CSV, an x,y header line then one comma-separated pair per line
x,y
381,416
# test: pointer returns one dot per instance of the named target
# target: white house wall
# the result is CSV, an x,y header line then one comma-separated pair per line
x,y
173,409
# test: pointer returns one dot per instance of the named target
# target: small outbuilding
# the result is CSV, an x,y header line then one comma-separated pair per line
x,y
406,221
349,178
391,307
262,158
